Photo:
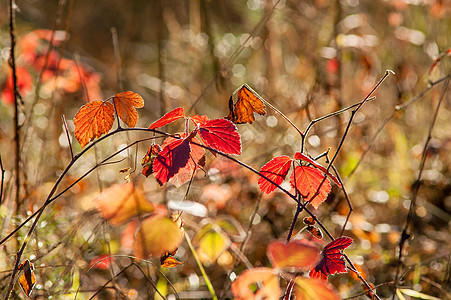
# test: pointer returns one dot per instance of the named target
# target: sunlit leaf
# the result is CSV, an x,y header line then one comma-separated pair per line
x,y
276,169
125,104
170,262
303,157
156,236
297,254
101,262
211,244
168,118
196,160
308,181
174,156
332,260
92,120
199,119
222,135
121,202
248,102
27,280
314,289
268,288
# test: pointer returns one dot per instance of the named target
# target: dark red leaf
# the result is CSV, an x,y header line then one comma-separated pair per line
x,y
308,181
222,135
303,157
170,160
333,260
168,118
276,169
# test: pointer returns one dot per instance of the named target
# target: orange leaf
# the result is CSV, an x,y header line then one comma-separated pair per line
x,y
248,102
92,120
301,156
168,118
276,169
268,289
298,254
121,202
125,106
314,289
27,280
308,181
168,260
156,236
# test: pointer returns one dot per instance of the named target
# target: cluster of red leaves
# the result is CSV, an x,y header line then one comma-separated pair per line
x,y
60,73
178,159
294,257
310,182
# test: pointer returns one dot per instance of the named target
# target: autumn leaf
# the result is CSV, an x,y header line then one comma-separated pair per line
x,y
27,280
101,262
195,161
169,262
24,84
210,244
171,159
332,260
92,120
125,105
147,161
276,169
156,236
303,157
248,102
269,288
222,135
314,289
199,119
297,254
308,181
121,202
168,118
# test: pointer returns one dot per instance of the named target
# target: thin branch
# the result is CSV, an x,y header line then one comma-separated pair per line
x,y
405,232
3,180
63,117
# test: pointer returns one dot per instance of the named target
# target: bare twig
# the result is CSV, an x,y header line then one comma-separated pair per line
x,y
63,117
405,232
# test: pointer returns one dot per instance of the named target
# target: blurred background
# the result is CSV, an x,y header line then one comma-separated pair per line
x,y
307,58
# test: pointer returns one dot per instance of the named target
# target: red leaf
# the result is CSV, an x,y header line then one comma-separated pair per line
x,y
333,260
102,262
298,254
276,169
171,159
196,160
222,135
168,118
199,119
303,157
308,181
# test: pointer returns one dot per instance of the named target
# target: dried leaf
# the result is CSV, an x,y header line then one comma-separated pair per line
x,y
27,280
248,102
125,105
92,120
